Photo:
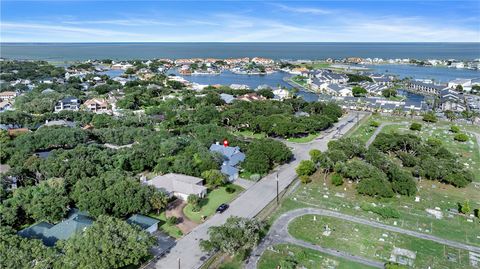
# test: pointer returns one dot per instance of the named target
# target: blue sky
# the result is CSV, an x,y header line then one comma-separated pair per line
x,y
240,21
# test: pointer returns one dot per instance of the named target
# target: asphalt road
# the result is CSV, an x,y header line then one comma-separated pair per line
x,y
187,252
279,234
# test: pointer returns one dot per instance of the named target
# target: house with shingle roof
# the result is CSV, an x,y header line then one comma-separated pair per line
x,y
178,185
76,222
147,224
232,157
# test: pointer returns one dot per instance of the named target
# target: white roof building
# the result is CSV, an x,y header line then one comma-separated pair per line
x,y
179,185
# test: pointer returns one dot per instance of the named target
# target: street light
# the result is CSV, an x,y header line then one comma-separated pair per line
x,y
276,179
178,259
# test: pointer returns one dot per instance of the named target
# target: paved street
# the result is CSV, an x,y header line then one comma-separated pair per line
x,y
250,202
278,233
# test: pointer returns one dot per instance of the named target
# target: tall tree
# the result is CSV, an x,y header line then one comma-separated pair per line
x,y
108,243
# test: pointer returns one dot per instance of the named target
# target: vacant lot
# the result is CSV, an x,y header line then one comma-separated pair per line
x,y
291,256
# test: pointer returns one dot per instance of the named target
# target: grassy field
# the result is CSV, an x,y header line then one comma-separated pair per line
x,y
210,203
171,230
413,215
316,65
286,254
300,81
366,241
250,134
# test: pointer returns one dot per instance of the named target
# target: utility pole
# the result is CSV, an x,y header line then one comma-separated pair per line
x,y
276,179
178,259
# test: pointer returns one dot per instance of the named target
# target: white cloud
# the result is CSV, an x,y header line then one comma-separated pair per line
x,y
239,27
121,22
304,10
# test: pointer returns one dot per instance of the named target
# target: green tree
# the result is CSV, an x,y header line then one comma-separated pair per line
x,y
194,200
305,168
358,91
315,155
337,180
454,129
19,252
461,137
451,115
430,117
415,126
465,208
237,235
214,178
108,243
158,200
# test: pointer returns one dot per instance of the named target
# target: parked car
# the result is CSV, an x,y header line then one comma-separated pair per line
x,y
221,208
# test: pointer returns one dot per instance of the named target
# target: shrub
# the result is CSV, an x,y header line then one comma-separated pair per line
x,y
337,180
430,117
384,212
172,220
305,168
255,177
230,189
461,137
374,124
454,129
305,179
416,126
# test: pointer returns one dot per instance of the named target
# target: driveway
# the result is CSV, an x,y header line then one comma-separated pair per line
x,y
176,209
278,233
251,201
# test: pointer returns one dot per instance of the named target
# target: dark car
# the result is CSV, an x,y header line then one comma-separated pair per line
x,y
221,208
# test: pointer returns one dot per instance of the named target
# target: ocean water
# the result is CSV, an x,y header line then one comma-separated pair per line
x,y
438,74
122,51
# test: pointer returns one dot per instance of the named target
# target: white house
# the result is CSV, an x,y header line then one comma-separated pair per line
x,y
465,83
281,94
179,185
338,90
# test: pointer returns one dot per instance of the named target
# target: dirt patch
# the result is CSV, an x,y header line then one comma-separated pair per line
x,y
175,208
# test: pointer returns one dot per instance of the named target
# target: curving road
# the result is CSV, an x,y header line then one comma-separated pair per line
x,y
279,234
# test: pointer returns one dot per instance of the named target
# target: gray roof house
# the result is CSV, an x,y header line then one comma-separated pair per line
x,y
178,185
228,98
76,221
232,157
145,223
69,103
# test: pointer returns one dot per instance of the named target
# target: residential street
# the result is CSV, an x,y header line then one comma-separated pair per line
x,y
279,234
187,251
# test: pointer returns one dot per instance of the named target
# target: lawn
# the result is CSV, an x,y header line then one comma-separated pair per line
x,y
211,202
302,81
287,255
317,65
171,230
303,139
413,215
250,134
374,243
